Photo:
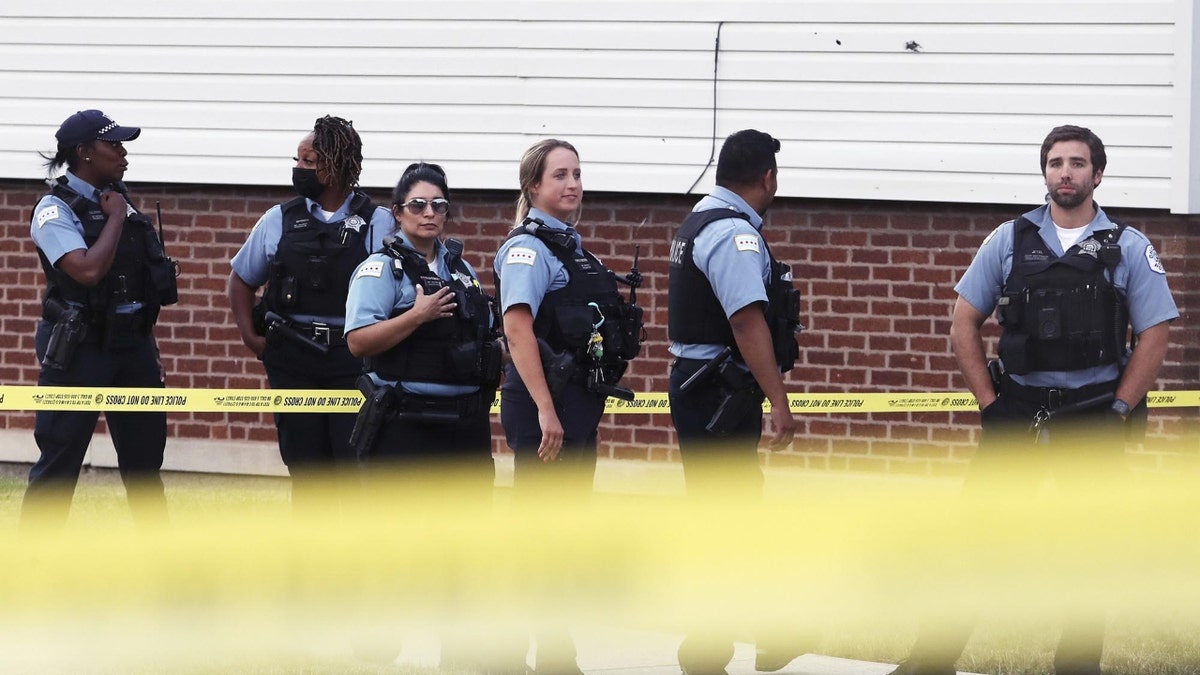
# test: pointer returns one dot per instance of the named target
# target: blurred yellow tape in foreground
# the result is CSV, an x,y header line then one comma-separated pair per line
x,y
348,401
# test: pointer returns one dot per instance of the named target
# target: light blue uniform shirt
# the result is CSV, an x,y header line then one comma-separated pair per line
x,y
737,270
57,231
375,293
528,269
1139,276
253,261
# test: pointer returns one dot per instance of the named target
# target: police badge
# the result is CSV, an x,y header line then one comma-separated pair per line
x,y
354,222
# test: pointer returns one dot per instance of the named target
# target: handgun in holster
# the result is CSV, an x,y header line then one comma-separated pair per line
x,y
559,367
67,332
379,402
741,396
279,328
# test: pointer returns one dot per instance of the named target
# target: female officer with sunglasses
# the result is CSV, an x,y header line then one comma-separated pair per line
x,y
420,319
304,252
417,314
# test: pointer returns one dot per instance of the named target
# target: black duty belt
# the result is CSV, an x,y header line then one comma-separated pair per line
x,y
461,407
329,334
1052,398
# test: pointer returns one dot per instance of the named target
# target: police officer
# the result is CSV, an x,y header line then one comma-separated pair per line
x,y
571,335
732,320
417,313
106,278
1068,283
304,251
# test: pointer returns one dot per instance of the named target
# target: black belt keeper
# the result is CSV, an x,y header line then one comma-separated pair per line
x,y
1052,398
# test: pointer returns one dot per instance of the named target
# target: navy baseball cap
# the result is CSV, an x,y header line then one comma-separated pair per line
x,y
86,126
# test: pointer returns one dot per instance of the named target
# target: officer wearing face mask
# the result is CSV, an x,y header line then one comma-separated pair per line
x,y
304,251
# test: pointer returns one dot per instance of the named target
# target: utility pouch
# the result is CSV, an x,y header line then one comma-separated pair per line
x,y
625,333
1014,352
465,360
163,285
575,324
379,403
123,330
491,363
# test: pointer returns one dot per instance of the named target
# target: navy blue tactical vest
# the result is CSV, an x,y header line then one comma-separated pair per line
x,y
695,315
1061,313
314,261
452,350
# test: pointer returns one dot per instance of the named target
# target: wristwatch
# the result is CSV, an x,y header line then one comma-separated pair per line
x,y
1121,408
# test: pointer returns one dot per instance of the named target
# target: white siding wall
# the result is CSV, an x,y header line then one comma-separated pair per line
x,y
225,89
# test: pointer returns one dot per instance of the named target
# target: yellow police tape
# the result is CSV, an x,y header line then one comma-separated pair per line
x,y
333,401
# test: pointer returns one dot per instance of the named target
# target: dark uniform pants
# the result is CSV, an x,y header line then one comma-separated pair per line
x,y
63,436
312,444
713,466
568,478
1099,438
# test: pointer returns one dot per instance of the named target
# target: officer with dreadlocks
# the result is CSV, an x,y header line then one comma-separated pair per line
x,y
304,251
1067,284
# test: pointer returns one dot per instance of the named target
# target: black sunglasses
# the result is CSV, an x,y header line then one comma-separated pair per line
x,y
417,206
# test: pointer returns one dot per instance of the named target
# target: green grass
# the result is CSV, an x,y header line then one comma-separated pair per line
x,y
1135,645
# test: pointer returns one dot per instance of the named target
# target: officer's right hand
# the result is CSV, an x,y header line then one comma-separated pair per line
x,y
552,435
783,426
440,305
113,203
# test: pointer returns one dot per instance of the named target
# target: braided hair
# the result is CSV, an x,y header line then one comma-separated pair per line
x,y
339,151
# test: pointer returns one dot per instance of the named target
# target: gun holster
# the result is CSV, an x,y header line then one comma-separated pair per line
x,y
376,409
741,396
558,367
66,333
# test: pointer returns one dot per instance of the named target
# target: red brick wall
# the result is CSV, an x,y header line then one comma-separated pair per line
x,y
877,279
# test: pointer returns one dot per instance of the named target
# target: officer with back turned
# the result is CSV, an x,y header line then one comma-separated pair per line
x,y
106,278
732,321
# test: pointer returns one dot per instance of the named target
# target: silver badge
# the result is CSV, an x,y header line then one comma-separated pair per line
x,y
1089,247
355,223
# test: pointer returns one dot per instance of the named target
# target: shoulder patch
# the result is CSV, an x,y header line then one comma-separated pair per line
x,y
47,214
371,268
746,242
1153,261
521,255
992,234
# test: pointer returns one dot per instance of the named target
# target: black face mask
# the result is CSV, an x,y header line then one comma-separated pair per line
x,y
306,183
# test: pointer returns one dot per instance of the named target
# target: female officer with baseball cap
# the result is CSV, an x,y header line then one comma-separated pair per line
x,y
106,278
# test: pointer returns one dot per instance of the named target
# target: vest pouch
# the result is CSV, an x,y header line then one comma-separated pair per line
x,y
491,362
624,334
575,325
164,289
1014,353
465,360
